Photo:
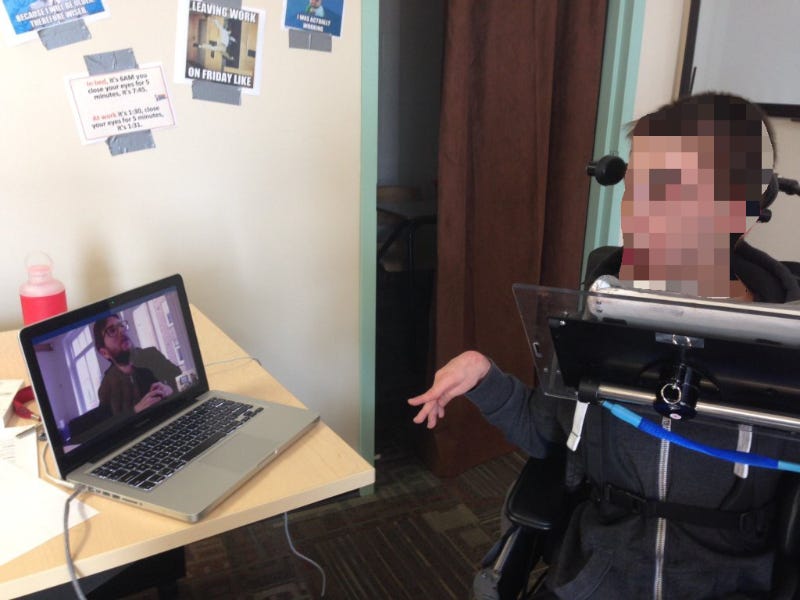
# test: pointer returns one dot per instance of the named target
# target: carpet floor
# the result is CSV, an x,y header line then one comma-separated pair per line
x,y
417,536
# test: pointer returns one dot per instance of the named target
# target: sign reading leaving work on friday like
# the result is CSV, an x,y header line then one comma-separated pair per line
x,y
120,102
222,44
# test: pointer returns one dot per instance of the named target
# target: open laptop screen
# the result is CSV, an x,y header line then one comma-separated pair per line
x,y
112,368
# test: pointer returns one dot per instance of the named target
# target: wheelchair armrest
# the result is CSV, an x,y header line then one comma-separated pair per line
x,y
537,499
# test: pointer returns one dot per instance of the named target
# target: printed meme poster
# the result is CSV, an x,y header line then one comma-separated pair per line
x,y
25,17
320,16
219,44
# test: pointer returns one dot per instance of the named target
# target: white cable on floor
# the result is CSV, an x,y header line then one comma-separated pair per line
x,y
302,556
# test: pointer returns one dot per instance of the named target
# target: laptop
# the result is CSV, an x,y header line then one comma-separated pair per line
x,y
128,412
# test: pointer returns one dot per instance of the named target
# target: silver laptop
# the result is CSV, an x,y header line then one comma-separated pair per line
x,y
126,406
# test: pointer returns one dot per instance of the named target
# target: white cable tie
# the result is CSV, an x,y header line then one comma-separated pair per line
x,y
577,425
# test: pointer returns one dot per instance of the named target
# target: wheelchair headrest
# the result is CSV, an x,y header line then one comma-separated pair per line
x,y
769,279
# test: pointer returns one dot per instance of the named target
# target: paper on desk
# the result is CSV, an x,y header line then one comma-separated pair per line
x,y
32,512
18,447
8,389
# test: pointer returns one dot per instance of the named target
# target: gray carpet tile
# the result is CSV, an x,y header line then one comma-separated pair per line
x,y
417,536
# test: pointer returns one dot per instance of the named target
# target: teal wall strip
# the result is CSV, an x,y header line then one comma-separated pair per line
x,y
623,42
368,229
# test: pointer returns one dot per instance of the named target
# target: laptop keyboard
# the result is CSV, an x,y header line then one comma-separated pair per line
x,y
155,458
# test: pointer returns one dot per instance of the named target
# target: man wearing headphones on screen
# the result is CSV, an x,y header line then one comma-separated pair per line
x,y
697,174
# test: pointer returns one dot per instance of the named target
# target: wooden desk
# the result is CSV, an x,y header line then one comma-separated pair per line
x,y
319,466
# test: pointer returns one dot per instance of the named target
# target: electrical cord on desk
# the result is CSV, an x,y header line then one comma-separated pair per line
x,y
285,515
49,476
230,360
70,565
302,556
79,489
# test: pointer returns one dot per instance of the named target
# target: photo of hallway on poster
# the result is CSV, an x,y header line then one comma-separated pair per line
x,y
222,44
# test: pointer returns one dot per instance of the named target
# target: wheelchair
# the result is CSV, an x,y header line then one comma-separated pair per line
x,y
536,513
539,504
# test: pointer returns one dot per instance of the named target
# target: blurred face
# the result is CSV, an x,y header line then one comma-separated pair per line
x,y
676,227
315,3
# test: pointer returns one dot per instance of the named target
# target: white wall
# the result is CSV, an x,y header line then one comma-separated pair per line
x,y
659,66
661,41
741,46
257,206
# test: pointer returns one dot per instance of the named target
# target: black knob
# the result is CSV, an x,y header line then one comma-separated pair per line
x,y
609,170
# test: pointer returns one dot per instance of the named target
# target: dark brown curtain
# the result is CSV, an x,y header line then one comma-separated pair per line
x,y
519,102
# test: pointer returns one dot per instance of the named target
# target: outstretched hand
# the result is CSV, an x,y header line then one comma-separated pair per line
x,y
454,379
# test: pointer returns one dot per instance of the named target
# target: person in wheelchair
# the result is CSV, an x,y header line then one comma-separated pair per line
x,y
699,169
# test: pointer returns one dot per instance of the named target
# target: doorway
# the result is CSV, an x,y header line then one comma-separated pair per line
x,y
411,38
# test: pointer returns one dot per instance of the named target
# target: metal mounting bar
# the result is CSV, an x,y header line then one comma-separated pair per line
x,y
722,411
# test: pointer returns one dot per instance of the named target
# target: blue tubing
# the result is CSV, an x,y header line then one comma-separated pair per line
x,y
734,456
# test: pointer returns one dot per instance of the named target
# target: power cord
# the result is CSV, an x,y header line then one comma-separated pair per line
x,y
71,565
77,490
302,556
230,360
285,515
47,475
80,489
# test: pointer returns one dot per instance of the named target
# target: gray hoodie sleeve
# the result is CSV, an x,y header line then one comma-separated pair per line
x,y
527,418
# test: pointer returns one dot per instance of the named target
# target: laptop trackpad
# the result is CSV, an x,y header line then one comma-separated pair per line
x,y
241,453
